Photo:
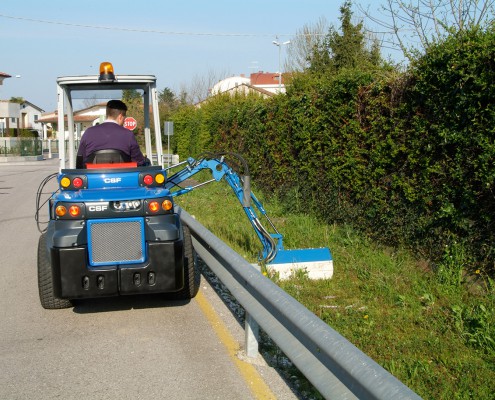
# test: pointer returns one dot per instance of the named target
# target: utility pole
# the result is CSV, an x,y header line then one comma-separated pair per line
x,y
279,45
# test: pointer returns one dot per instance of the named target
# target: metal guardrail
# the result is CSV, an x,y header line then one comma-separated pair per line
x,y
336,368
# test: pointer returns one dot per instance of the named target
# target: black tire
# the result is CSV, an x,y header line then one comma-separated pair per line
x,y
45,280
192,276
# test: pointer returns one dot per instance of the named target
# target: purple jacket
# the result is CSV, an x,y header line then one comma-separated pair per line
x,y
109,135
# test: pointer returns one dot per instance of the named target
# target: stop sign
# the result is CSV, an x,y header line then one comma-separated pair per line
x,y
130,123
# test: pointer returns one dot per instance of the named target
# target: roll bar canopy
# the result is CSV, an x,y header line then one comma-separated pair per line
x,y
67,85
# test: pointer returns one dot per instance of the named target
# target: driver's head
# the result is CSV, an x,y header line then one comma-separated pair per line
x,y
116,108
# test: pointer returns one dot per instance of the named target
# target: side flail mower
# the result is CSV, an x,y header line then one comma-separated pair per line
x,y
316,262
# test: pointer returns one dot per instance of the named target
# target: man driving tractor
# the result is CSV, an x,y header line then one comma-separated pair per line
x,y
110,135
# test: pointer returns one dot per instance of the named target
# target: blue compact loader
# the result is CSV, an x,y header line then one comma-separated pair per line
x,y
113,227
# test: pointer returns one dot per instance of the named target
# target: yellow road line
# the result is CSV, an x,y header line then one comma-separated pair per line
x,y
251,376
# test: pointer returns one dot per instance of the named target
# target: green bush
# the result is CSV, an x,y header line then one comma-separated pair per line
x,y
454,94
408,157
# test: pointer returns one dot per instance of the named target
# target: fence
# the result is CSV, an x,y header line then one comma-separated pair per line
x,y
50,148
16,146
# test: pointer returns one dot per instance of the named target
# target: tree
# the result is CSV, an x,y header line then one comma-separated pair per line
x,y
345,48
349,49
414,25
167,104
90,102
167,96
302,46
130,96
200,86
18,100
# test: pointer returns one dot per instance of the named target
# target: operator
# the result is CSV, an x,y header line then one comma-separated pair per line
x,y
111,134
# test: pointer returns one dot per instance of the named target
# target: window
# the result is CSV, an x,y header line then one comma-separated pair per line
x,y
36,116
12,120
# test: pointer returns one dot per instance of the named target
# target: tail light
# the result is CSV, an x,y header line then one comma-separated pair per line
x,y
65,210
148,180
74,211
152,178
153,206
73,182
60,211
159,178
163,205
77,182
167,205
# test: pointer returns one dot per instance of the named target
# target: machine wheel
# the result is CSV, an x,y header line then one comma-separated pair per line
x,y
45,280
192,276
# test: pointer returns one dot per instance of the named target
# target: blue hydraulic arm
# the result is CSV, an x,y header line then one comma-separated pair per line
x,y
316,262
272,242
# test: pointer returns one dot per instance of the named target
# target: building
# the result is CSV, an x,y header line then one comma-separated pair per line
x,y
83,119
266,83
15,115
228,84
23,115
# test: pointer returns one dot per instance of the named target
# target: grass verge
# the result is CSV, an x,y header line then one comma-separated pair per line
x,y
435,331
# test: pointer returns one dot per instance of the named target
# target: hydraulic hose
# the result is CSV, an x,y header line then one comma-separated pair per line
x,y
269,242
272,251
39,193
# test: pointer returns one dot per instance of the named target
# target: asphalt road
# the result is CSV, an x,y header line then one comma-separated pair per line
x,y
116,348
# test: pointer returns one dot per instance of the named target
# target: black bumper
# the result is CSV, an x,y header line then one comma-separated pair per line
x,y
163,272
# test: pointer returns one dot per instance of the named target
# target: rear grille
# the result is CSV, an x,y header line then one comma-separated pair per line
x,y
112,241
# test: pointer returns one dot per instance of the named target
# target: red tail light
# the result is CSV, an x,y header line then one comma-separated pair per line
x,y
148,180
77,183
154,206
74,211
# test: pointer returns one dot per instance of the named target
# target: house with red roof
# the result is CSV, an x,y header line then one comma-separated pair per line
x,y
83,119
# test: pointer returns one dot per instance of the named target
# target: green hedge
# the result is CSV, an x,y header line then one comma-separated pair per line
x,y
407,157
453,97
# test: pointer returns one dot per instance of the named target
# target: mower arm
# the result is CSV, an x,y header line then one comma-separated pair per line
x,y
241,186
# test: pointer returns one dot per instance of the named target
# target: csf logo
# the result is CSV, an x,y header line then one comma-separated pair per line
x,y
98,208
112,180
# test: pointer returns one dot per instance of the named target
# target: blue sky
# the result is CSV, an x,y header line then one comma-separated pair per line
x,y
41,51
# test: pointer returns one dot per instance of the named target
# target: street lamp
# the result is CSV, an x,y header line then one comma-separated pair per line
x,y
279,45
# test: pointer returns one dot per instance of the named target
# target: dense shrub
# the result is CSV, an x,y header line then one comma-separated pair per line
x,y
407,157
453,95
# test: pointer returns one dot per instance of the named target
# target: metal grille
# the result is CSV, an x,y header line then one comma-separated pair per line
x,y
116,242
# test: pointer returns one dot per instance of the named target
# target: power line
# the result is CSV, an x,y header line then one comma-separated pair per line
x,y
113,28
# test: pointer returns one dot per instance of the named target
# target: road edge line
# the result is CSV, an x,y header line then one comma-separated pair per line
x,y
254,381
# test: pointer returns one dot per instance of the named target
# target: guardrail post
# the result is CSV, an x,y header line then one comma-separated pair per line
x,y
252,332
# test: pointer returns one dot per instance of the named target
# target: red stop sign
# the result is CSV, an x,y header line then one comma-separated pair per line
x,y
130,123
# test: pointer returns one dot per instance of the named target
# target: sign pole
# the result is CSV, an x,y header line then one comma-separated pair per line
x,y
169,131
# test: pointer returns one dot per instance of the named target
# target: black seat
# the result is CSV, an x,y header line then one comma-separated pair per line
x,y
108,156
